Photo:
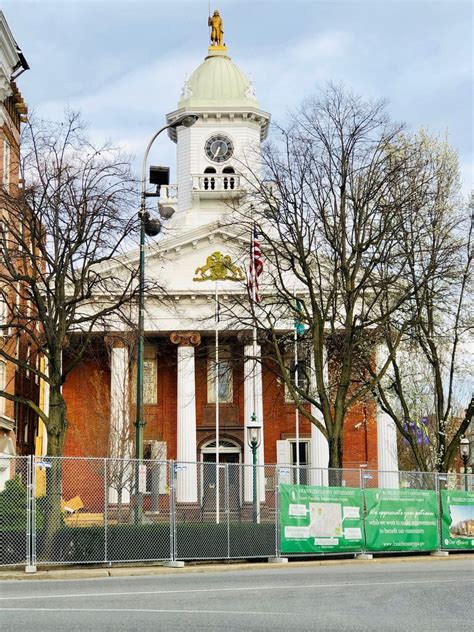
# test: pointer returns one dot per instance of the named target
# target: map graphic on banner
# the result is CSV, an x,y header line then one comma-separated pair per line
x,y
457,530
325,520
320,519
401,520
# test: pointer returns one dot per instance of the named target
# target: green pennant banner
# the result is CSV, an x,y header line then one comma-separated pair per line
x,y
457,524
401,520
320,519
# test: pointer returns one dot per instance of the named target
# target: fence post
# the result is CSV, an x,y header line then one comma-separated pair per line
x,y
439,552
172,474
173,562
277,557
361,485
105,510
227,505
30,516
277,511
28,512
364,555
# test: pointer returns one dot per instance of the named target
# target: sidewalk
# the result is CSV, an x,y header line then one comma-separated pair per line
x,y
77,572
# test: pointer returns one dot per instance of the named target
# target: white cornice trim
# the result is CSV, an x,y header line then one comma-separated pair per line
x,y
9,45
174,243
256,114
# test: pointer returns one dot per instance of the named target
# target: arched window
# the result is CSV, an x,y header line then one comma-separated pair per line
x,y
209,183
229,183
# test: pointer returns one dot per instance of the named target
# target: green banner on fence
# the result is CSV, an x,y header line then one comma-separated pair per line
x,y
457,529
401,520
320,519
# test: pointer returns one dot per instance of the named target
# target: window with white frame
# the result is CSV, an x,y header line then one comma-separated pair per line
x,y
28,360
287,451
154,456
223,370
6,164
3,377
300,449
3,316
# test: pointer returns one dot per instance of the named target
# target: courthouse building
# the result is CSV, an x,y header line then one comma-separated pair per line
x,y
180,410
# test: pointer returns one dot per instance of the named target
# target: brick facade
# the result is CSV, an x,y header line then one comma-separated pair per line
x,y
87,393
17,421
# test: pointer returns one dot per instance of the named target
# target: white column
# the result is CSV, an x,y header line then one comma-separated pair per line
x,y
186,471
253,375
387,456
120,446
319,443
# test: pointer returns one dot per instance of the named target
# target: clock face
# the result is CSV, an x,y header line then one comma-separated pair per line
x,y
219,148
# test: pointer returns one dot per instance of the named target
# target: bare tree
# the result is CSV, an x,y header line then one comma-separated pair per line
x,y
339,185
61,233
436,348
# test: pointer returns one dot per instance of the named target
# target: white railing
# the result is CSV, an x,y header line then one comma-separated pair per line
x,y
169,193
219,182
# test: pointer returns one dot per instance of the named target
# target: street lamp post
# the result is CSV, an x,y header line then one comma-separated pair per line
x,y
152,228
254,438
465,449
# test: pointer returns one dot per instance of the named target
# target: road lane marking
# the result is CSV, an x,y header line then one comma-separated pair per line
x,y
154,610
237,589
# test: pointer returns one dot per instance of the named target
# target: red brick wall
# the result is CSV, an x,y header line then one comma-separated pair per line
x,y
87,394
161,418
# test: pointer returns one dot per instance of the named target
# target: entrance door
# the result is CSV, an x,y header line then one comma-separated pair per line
x,y
229,481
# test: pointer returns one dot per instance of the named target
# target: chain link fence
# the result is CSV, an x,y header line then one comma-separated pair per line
x,y
94,510
16,516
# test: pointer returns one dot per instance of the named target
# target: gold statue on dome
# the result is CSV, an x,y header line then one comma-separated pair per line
x,y
217,29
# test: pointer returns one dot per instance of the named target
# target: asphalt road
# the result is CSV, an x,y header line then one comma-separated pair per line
x,y
397,596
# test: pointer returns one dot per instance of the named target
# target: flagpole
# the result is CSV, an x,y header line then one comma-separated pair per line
x,y
297,412
254,353
216,382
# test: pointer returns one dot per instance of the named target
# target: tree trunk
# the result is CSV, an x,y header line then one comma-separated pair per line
x,y
335,461
53,518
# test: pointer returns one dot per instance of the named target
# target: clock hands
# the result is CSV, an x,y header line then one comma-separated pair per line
x,y
216,153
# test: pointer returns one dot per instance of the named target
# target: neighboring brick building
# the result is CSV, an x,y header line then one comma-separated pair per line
x,y
18,423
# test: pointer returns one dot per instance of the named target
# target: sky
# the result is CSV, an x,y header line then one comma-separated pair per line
x,y
123,64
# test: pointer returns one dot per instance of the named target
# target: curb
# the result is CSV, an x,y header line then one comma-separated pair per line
x,y
143,571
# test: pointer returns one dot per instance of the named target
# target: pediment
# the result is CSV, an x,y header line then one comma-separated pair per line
x,y
191,263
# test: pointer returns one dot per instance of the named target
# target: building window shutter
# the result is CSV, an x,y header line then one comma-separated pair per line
x,y
283,461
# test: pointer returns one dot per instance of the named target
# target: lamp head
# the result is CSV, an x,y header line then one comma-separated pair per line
x,y
186,120
464,446
254,432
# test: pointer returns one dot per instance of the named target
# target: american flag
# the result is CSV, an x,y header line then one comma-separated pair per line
x,y
256,265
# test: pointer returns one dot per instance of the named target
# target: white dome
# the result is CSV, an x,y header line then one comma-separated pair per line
x,y
218,82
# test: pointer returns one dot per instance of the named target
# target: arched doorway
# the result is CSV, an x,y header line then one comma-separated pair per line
x,y
230,479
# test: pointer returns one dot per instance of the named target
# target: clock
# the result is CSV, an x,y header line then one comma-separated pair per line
x,y
219,148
